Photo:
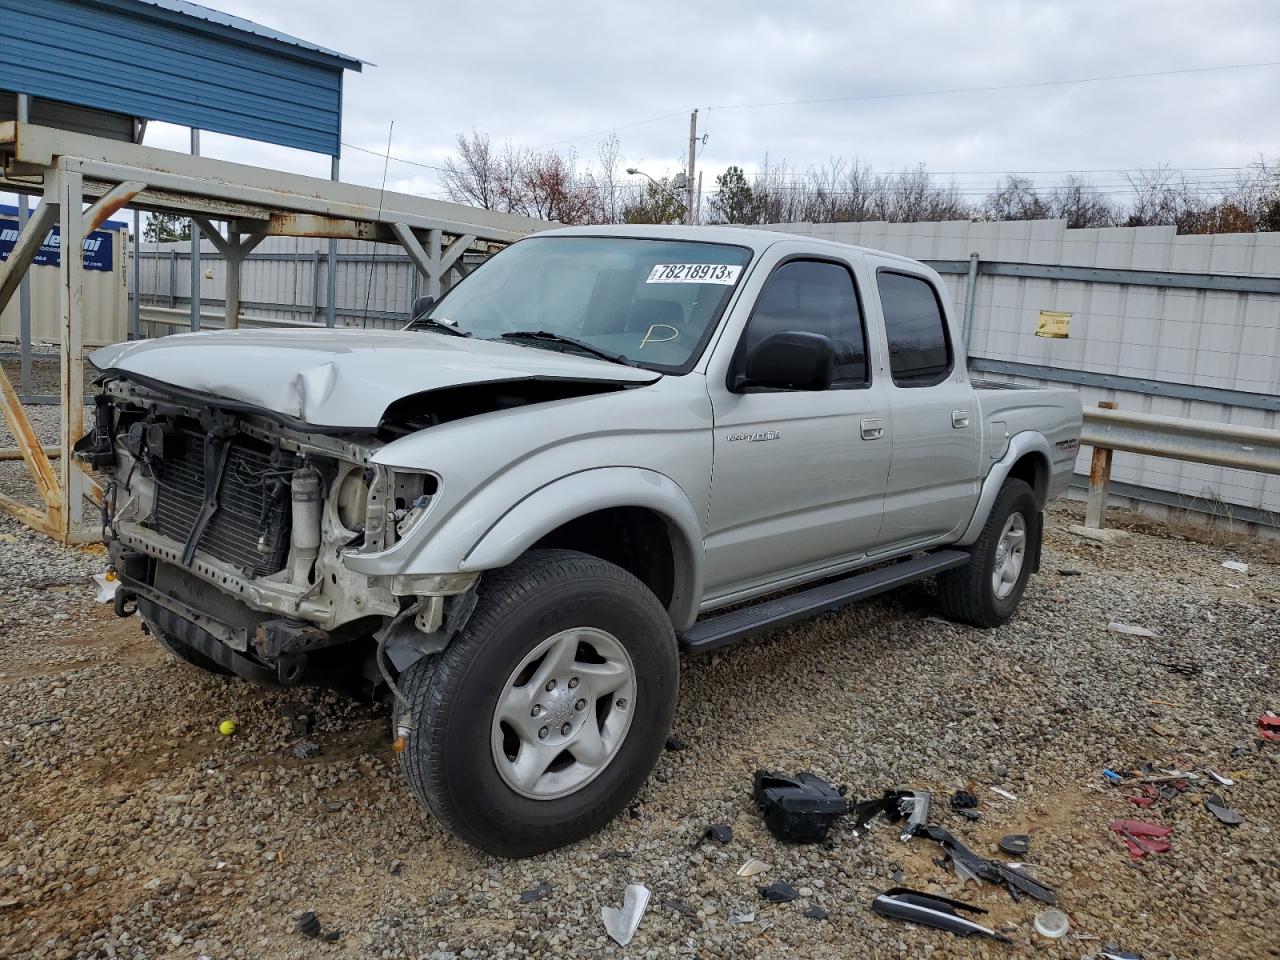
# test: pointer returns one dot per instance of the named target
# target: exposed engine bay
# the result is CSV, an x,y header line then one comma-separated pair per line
x,y
227,530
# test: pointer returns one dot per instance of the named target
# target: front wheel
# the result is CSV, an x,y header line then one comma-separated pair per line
x,y
985,592
543,717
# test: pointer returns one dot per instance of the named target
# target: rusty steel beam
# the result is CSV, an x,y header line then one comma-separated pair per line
x,y
111,201
29,448
13,453
45,523
25,249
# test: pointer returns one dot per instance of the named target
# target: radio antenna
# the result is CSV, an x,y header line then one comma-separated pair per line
x,y
373,258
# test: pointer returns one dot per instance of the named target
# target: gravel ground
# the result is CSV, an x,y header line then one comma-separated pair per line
x,y
129,827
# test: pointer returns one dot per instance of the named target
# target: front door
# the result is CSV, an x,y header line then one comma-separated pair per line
x,y
798,475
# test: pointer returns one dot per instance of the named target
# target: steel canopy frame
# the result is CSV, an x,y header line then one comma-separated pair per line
x,y
67,169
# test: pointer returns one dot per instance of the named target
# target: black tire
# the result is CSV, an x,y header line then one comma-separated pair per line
x,y
967,594
185,653
449,760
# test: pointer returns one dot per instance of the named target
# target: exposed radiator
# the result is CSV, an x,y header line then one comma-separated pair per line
x,y
251,526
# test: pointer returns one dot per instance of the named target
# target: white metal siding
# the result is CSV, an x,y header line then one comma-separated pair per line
x,y
1199,337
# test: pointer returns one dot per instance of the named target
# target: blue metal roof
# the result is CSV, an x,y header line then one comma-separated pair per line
x,y
218,18
175,61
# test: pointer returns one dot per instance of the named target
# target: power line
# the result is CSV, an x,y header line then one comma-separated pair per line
x,y
1003,86
387,156
613,129
925,93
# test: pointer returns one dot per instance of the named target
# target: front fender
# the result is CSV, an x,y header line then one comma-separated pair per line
x,y
568,498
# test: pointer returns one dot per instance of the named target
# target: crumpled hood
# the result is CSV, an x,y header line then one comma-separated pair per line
x,y
344,378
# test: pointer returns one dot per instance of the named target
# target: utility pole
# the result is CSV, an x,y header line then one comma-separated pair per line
x,y
689,183
195,250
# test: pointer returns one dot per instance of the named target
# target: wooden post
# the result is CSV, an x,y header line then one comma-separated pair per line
x,y
1099,481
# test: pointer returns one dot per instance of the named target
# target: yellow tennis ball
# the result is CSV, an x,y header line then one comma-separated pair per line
x,y
227,727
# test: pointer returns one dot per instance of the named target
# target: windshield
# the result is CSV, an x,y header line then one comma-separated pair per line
x,y
651,302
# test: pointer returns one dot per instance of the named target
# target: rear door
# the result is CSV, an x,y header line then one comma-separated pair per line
x,y
798,474
933,477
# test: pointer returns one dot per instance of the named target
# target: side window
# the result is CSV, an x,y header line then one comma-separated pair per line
x,y
814,296
919,351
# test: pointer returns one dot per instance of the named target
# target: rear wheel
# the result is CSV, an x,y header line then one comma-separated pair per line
x,y
986,591
542,718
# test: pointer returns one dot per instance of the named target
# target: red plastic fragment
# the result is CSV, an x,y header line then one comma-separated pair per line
x,y
1140,836
1142,801
1269,726
1141,828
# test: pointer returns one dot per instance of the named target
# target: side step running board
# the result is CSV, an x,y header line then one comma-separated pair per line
x,y
723,629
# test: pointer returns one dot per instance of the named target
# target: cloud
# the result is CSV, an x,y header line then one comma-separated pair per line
x,y
542,72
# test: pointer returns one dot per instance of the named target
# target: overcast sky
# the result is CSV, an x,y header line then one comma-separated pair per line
x,y
538,73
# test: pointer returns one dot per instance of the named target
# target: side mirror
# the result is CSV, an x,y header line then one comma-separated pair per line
x,y
420,307
791,360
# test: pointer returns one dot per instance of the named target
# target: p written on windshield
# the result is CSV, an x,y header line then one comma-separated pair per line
x,y
653,303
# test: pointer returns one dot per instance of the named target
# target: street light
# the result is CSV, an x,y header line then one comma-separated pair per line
x,y
680,181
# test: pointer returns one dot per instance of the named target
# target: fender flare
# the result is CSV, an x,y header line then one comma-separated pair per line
x,y
1027,442
577,494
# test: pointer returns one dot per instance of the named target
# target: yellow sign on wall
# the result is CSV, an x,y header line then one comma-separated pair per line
x,y
1054,324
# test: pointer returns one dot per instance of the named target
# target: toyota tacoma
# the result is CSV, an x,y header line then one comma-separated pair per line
x,y
604,445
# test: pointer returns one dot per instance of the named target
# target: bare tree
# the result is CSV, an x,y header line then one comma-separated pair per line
x,y
1015,198
554,186
1078,202
475,176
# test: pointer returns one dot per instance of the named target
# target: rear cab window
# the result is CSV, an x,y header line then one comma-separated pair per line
x,y
920,353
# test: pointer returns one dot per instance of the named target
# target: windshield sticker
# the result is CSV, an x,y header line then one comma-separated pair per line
x,y
722,273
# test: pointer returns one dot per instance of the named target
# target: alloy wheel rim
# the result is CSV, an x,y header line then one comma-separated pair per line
x,y
563,713
1011,551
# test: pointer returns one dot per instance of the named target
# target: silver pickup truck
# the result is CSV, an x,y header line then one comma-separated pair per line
x,y
602,446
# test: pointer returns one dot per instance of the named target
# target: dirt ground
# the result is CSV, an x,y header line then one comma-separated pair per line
x,y
129,827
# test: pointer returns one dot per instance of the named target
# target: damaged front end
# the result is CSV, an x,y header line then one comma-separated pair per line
x,y
228,527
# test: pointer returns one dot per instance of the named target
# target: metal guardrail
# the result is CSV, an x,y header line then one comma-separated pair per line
x,y
164,316
1108,429
1198,441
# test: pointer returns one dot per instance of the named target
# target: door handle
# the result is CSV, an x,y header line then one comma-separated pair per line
x,y
872,428
959,419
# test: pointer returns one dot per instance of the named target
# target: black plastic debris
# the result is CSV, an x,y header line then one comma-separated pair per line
x,y
1112,952
963,800
540,892
616,855
679,906
973,816
780,892
301,723
306,750
969,863
1215,805
675,744
333,935
1068,572
895,804
1015,843
719,832
799,809
929,910
816,913
308,924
